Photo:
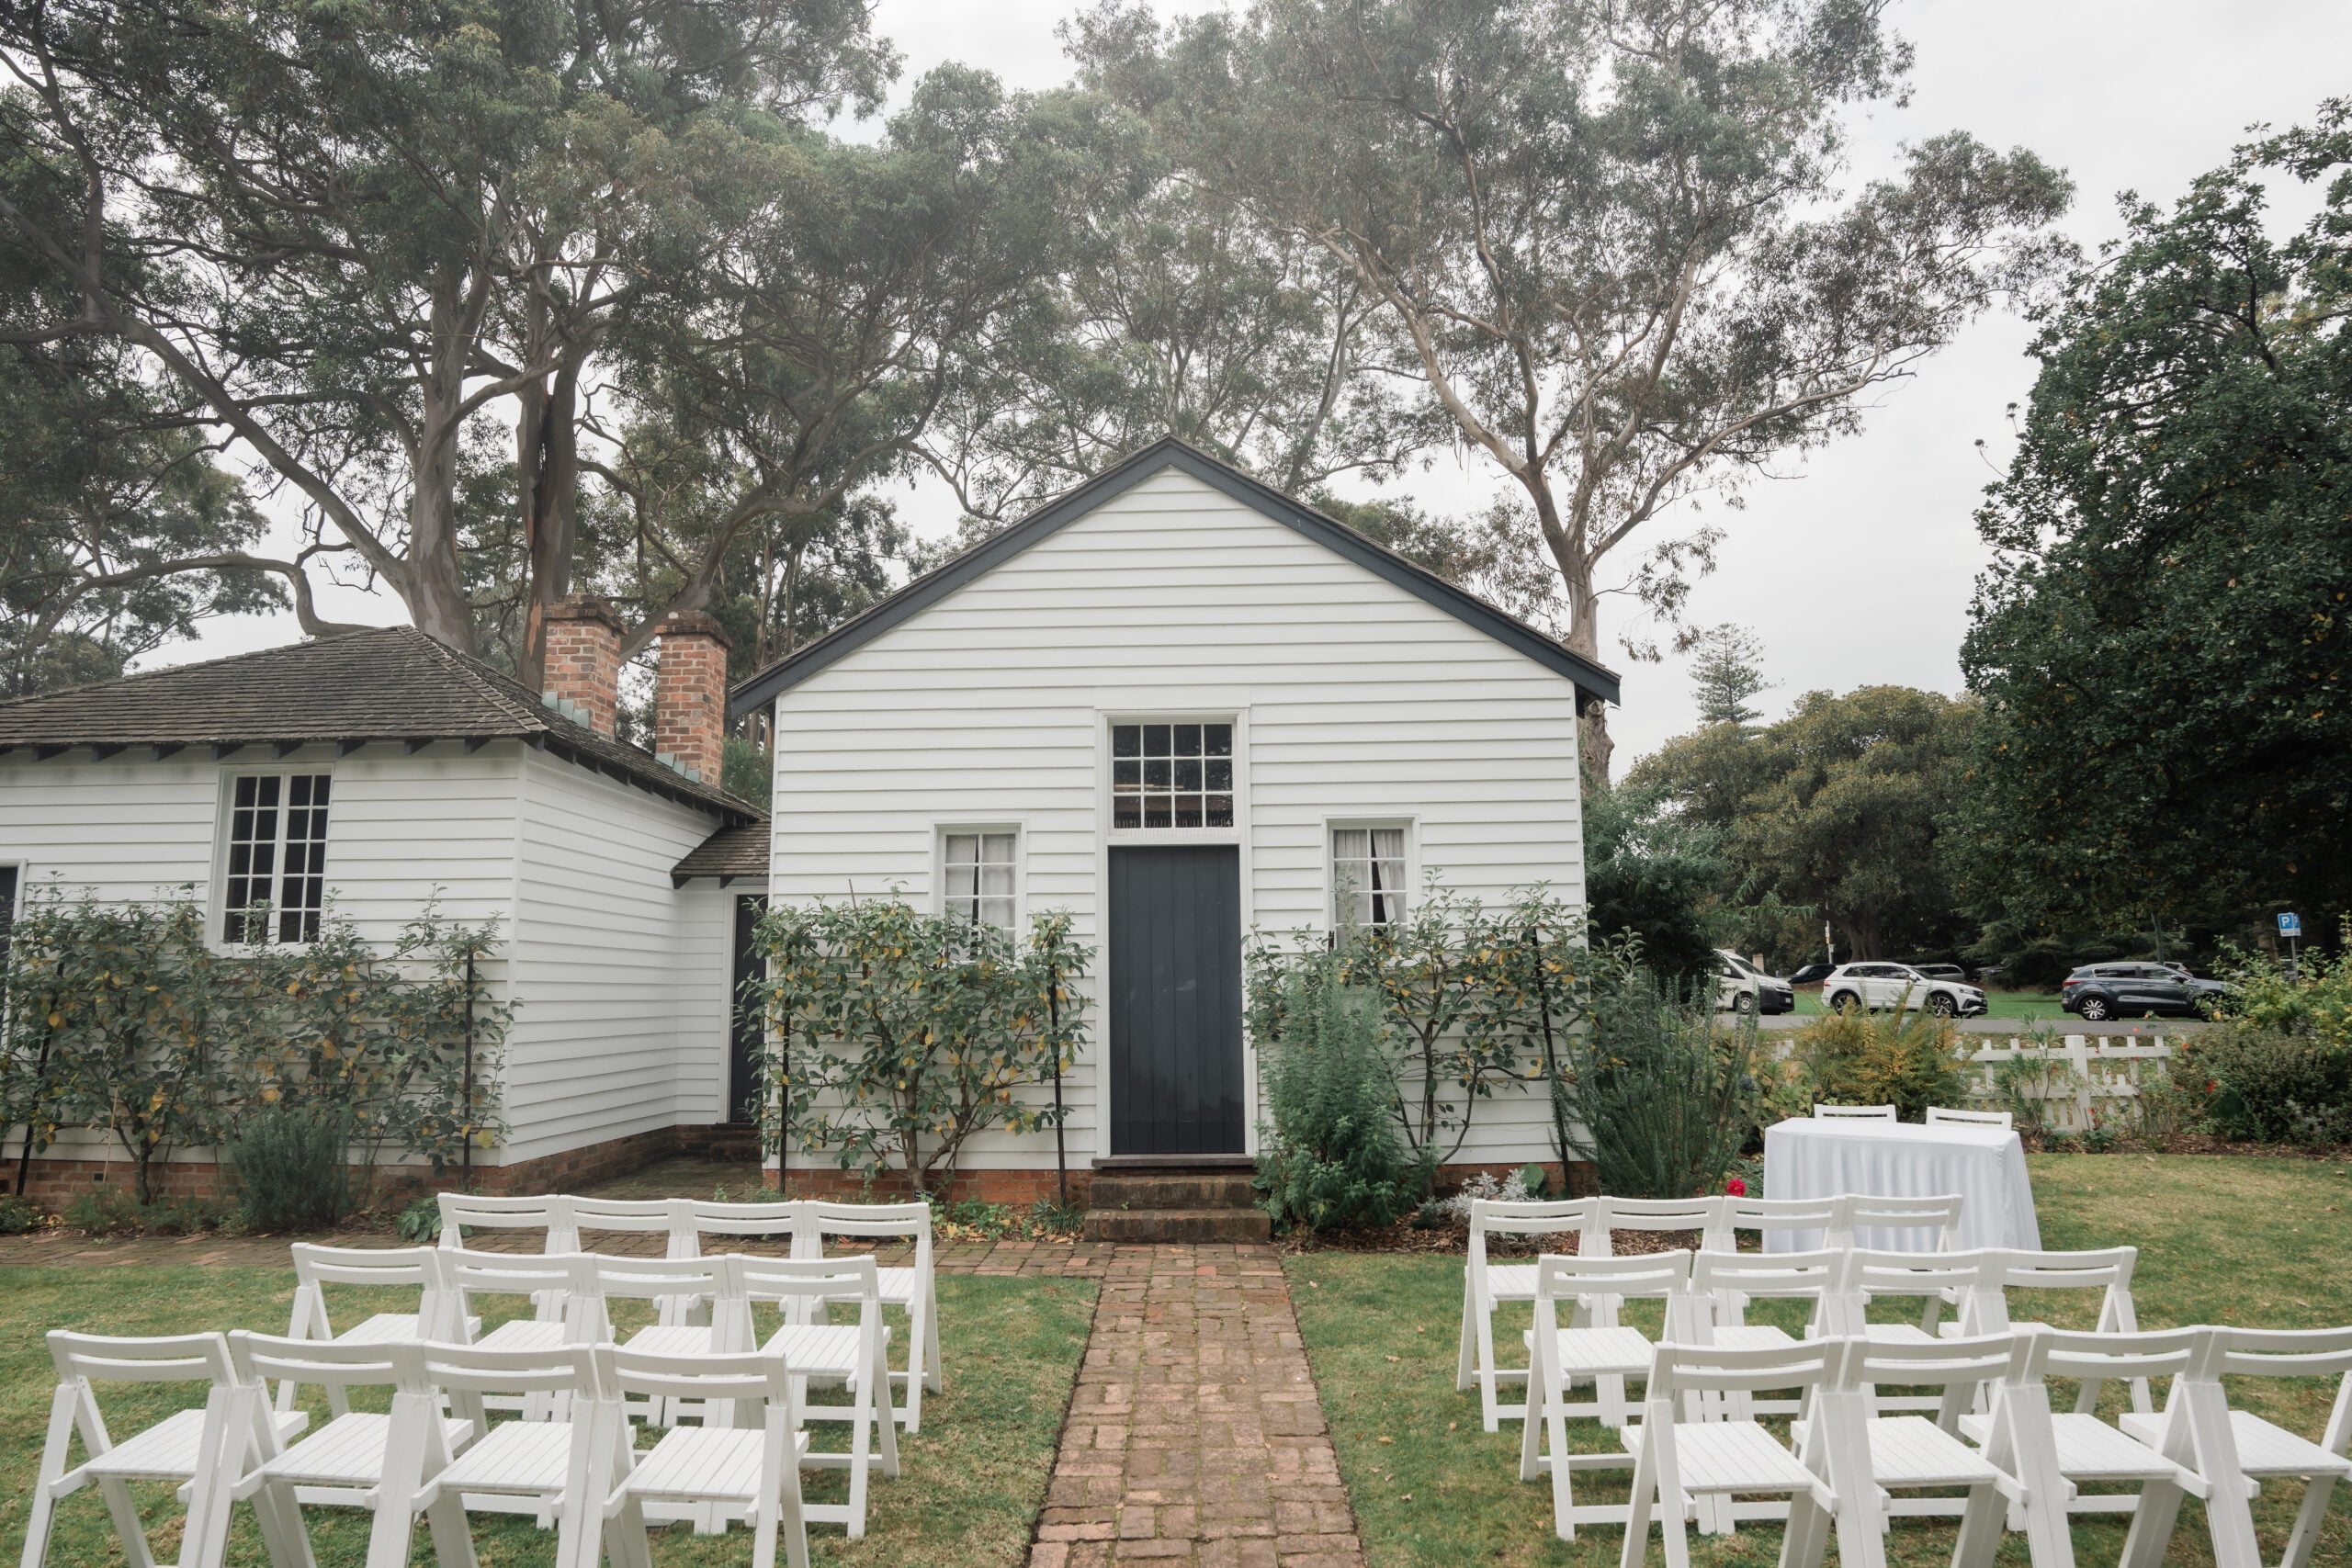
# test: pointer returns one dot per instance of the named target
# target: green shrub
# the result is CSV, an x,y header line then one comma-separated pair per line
x,y
2316,1001
18,1215
291,1166
2276,1087
103,1211
1332,1156
1908,1060
1660,1099
421,1221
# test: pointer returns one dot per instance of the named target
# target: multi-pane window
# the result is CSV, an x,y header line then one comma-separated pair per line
x,y
979,877
1367,875
277,856
1171,775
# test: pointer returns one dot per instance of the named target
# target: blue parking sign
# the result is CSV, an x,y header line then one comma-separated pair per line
x,y
2290,925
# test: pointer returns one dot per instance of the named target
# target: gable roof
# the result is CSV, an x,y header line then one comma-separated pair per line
x,y
391,683
1593,682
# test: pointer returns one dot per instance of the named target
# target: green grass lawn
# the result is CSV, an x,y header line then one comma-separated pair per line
x,y
2221,1240
2025,1007
972,1481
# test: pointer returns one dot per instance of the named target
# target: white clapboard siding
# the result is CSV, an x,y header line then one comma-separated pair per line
x,y
1356,699
399,826
611,1012
705,982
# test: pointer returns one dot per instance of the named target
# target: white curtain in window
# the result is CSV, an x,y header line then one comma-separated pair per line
x,y
979,877
1368,875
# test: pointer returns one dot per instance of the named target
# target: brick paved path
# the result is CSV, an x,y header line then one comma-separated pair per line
x,y
1195,1434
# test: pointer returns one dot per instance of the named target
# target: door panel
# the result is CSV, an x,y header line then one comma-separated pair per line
x,y
745,1025
1175,1015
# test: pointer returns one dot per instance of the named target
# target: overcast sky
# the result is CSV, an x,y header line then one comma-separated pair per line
x,y
1856,569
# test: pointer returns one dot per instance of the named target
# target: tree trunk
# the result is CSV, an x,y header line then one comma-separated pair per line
x,y
546,444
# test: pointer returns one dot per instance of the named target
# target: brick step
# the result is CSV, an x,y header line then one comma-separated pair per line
x,y
1178,1224
1173,1189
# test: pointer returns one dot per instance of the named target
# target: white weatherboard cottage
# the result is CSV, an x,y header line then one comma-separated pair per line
x,y
1187,710
1176,703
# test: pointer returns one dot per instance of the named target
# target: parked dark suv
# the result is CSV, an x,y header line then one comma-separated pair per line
x,y
2098,991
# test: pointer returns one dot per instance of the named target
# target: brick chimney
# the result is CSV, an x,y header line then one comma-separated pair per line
x,y
690,695
584,659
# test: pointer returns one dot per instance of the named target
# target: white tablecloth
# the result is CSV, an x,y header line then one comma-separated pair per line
x,y
1809,1158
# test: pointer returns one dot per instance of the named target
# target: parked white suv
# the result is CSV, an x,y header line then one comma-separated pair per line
x,y
1740,986
1879,987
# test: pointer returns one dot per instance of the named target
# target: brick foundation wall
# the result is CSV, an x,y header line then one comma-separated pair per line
x,y
1018,1188
690,695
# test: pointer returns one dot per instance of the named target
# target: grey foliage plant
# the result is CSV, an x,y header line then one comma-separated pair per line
x,y
1660,1098
1333,1155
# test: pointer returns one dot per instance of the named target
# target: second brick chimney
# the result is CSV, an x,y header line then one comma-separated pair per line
x,y
583,659
690,695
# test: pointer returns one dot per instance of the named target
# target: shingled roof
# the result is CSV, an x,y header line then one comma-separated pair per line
x,y
727,854
393,683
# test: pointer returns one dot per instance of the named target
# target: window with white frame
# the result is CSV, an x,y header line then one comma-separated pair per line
x,y
1171,775
277,856
979,871
1367,876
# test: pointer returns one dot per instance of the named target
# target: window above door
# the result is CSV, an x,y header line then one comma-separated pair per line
x,y
1171,775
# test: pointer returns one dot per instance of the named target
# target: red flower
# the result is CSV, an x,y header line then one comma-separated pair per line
x,y
1735,1187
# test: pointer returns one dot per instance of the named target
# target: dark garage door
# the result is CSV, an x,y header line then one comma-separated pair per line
x,y
1175,963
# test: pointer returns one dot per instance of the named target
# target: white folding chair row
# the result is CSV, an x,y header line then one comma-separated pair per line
x,y
686,1221
1718,1219
582,1474
722,1288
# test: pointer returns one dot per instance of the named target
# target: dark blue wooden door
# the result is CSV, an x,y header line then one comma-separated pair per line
x,y
1175,963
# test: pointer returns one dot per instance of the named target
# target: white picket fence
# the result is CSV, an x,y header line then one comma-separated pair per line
x,y
2074,1079
2079,1074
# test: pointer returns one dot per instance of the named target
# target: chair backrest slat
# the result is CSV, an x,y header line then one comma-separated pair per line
x,y
1853,1112
1946,1115
548,1211
113,1357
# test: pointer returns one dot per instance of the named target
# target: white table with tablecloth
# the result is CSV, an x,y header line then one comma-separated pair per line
x,y
1811,1157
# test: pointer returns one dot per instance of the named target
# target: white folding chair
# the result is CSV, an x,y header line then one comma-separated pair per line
x,y
438,1313
1669,1216
2235,1450
1853,1112
207,1450
1605,1353
1873,1455
668,1283
359,1458
562,1469
1486,1285
1681,1457
2005,1121
856,1358
550,1213
2022,1436
1793,1216
569,1281
728,1469
1722,1284
2106,1270
1879,1215
911,1288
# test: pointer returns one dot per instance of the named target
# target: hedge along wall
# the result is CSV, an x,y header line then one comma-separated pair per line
x,y
125,1021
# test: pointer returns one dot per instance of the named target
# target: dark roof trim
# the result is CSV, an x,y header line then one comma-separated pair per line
x,y
1593,683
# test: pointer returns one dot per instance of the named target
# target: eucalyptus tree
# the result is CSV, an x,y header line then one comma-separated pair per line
x,y
1175,315
1614,235
343,214
826,337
